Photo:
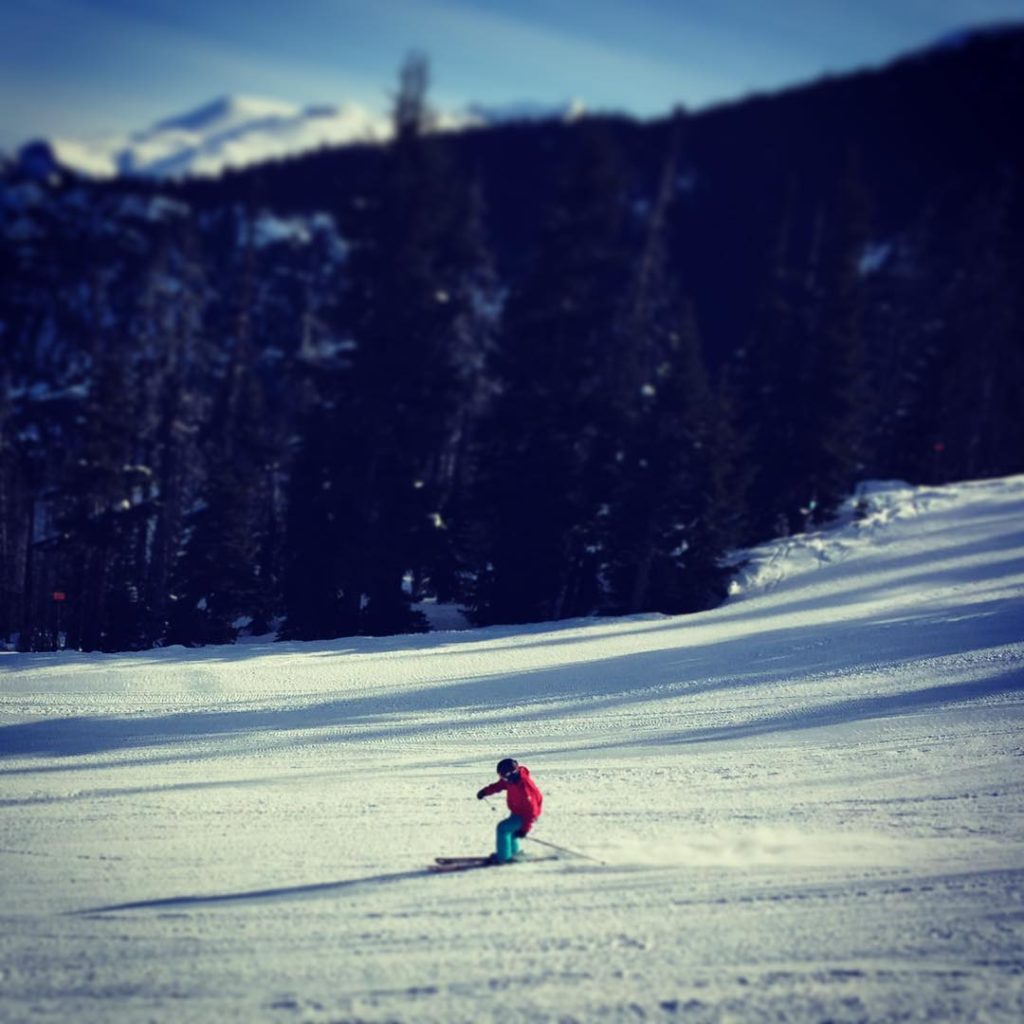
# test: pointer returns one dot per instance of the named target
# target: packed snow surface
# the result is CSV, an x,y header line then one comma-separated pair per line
x,y
804,805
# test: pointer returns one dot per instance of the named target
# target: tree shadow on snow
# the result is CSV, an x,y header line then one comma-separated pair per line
x,y
843,712
794,654
771,645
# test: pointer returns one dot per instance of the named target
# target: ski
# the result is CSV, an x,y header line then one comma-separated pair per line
x,y
443,865
461,865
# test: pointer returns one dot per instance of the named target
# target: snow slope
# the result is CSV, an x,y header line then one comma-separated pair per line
x,y
805,805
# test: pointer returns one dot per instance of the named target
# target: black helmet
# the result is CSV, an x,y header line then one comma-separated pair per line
x,y
507,765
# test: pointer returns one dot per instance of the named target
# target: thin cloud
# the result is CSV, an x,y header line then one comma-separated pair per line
x,y
535,53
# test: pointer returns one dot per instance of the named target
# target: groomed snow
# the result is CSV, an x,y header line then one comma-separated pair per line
x,y
802,806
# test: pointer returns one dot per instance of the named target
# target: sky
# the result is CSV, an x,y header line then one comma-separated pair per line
x,y
81,68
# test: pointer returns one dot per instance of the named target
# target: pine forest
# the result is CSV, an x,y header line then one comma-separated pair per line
x,y
538,371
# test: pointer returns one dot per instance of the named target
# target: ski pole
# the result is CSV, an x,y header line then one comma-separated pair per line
x,y
565,849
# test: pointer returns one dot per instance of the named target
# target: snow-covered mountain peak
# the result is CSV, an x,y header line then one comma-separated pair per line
x,y
237,131
227,113
229,132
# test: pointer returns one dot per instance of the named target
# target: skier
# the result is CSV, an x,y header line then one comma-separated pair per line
x,y
524,801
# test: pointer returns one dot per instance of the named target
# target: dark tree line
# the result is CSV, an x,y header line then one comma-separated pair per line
x,y
236,418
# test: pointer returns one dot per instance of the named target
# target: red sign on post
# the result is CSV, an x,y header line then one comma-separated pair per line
x,y
59,595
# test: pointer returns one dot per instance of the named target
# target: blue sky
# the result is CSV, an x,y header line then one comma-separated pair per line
x,y
84,67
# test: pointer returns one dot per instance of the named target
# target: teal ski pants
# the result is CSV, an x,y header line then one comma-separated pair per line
x,y
507,843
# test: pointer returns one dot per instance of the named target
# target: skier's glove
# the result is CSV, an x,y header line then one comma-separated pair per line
x,y
481,795
521,834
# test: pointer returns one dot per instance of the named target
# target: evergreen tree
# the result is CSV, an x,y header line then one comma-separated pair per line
x,y
313,600
97,515
950,360
800,381
391,416
977,370
25,444
450,539
546,474
901,348
767,384
668,520
220,578
837,392
216,581
173,341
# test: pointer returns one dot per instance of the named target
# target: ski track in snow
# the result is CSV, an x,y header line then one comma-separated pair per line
x,y
805,805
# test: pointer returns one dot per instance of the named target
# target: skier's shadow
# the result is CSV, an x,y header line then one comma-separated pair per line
x,y
289,892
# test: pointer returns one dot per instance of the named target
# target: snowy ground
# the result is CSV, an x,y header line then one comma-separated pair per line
x,y
808,805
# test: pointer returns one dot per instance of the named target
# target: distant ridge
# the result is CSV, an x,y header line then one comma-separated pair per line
x,y
232,132
961,37
229,132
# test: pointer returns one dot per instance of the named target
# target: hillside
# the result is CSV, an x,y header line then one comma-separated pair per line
x,y
802,805
315,392
925,136
236,132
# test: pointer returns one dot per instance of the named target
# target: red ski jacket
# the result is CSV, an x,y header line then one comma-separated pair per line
x,y
523,797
